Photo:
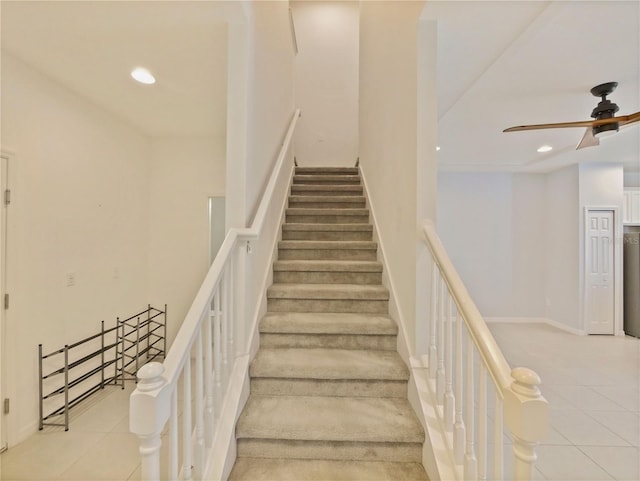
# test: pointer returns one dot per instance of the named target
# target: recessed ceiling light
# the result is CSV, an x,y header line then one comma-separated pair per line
x,y
143,76
437,147
545,148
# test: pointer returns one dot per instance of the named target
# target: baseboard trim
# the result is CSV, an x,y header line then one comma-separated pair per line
x,y
29,430
535,320
394,310
437,457
222,454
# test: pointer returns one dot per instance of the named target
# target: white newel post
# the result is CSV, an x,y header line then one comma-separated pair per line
x,y
527,418
149,408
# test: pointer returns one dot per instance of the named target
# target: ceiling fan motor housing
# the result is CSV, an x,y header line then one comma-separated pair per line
x,y
605,109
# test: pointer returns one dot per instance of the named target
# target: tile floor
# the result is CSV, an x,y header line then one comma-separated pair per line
x,y
98,445
592,384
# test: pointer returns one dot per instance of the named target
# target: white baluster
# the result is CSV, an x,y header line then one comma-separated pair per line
x,y
224,330
147,417
442,302
217,360
199,448
482,423
209,410
459,429
470,461
527,417
449,399
173,437
186,420
433,351
230,322
239,263
499,443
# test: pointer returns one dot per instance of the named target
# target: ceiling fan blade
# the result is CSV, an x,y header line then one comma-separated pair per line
x,y
629,119
561,125
588,139
622,120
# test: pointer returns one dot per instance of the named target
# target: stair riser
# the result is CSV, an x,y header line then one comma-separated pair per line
x,y
338,388
327,254
327,219
297,277
326,190
326,180
328,341
326,170
360,451
300,204
327,235
328,305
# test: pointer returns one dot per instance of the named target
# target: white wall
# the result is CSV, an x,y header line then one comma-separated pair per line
x,y
270,111
632,179
326,82
389,139
271,94
517,240
492,225
184,173
562,291
80,193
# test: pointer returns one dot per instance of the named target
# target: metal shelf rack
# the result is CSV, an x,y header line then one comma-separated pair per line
x,y
84,366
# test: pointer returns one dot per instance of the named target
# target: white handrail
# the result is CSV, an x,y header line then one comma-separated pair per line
x,y
494,359
258,220
187,332
517,397
153,402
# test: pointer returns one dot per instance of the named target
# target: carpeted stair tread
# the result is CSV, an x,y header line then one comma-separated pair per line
x,y
328,227
327,323
332,364
327,212
354,199
339,419
352,231
327,245
352,179
261,469
326,170
328,291
327,266
326,189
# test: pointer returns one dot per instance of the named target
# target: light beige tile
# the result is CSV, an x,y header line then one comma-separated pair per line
x,y
49,454
587,399
627,394
622,463
625,424
115,457
568,463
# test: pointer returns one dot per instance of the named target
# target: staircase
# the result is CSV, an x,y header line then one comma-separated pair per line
x,y
328,390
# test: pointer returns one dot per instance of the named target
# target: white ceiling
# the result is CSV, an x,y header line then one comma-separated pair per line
x,y
92,46
501,63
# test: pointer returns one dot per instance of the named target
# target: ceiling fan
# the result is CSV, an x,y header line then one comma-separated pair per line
x,y
604,120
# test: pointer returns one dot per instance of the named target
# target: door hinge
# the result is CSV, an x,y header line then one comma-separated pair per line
x,y
7,405
7,197
6,301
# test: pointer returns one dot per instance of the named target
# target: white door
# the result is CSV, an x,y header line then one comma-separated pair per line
x,y
600,273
